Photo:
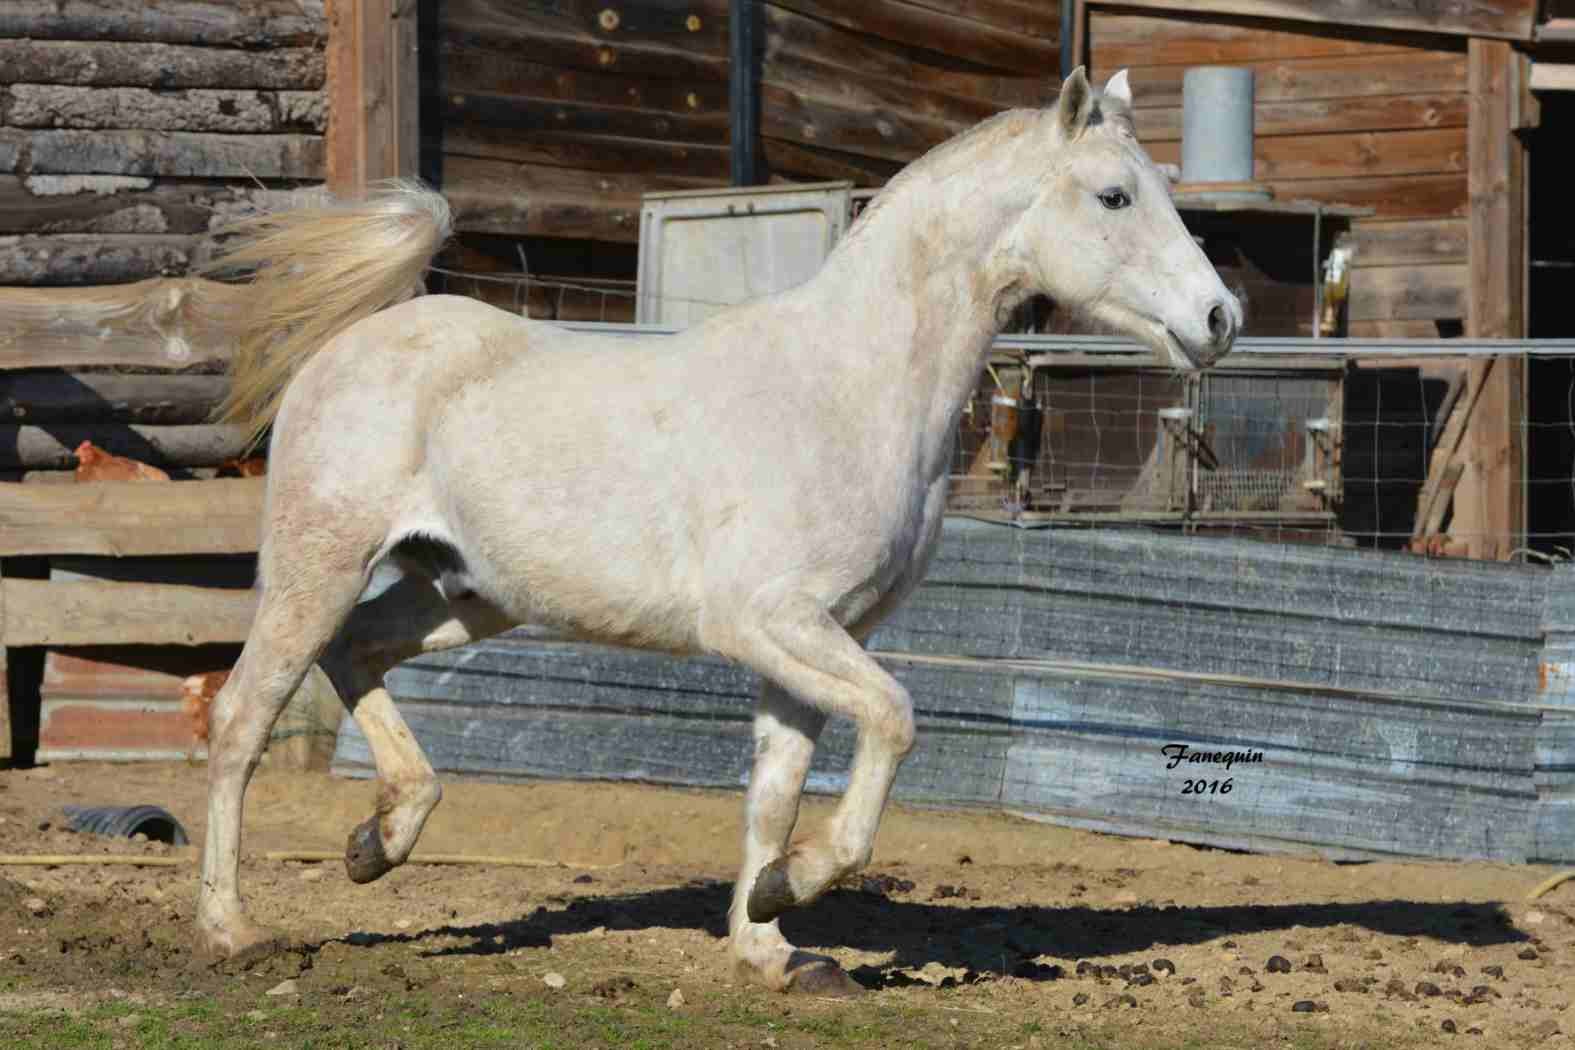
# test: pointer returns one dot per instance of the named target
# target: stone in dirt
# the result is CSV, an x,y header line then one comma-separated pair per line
x,y
288,987
35,906
554,980
1278,964
675,1000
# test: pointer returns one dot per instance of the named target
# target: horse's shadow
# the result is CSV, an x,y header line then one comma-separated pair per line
x,y
988,940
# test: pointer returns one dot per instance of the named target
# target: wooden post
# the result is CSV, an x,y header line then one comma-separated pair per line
x,y
373,93
1490,499
5,692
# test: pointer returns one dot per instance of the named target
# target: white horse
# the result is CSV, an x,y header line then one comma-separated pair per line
x,y
765,486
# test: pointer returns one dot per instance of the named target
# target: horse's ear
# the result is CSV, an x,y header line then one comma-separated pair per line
x,y
1075,105
1117,89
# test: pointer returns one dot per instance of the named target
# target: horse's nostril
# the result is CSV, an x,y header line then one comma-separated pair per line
x,y
1219,323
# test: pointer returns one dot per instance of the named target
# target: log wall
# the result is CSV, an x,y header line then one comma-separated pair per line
x,y
1356,116
127,132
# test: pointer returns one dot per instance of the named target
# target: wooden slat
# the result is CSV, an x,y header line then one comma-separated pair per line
x,y
497,197
802,160
1409,293
483,71
83,258
129,517
123,204
908,23
160,323
1408,243
580,118
1317,157
1180,37
1040,19
1302,80
161,153
585,152
39,396
168,66
252,24
237,110
1551,76
405,83
1320,116
83,612
1397,197
1497,184
1392,329
52,446
1511,19
862,123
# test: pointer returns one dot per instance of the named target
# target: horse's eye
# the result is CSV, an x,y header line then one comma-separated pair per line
x,y
1115,199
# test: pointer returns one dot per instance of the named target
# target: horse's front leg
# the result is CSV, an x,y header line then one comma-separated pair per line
x,y
801,648
785,734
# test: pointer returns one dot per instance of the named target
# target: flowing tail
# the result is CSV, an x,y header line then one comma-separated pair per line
x,y
313,272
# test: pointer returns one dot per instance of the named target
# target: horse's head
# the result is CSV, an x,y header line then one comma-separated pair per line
x,y
1103,238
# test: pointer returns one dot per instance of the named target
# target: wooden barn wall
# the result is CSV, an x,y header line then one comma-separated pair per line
x,y
1351,116
545,124
127,130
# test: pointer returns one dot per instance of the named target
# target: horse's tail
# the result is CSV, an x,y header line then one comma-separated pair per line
x,y
314,271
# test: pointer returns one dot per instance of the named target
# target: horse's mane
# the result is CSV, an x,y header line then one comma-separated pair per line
x,y
943,160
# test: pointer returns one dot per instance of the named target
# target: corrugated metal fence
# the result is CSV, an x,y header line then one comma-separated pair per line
x,y
1386,704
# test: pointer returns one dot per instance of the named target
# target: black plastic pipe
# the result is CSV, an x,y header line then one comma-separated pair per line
x,y
1068,31
743,93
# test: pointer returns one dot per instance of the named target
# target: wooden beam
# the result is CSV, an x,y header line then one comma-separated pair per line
x,y
373,95
131,517
908,23
1122,38
159,323
161,153
1497,182
1317,157
1324,116
1417,243
163,66
1550,76
253,24
94,612
1409,293
40,396
53,445
1509,19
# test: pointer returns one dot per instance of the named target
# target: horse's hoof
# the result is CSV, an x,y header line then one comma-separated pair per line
x,y
239,948
365,860
824,979
771,894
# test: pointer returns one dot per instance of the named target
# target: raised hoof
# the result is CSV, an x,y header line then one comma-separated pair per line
x,y
771,895
365,860
824,979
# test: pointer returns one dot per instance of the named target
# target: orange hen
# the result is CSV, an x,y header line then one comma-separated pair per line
x,y
94,464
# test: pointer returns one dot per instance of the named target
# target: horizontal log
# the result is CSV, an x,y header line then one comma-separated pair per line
x,y
807,40
1400,197
124,518
123,204
118,63
586,152
1042,20
1117,39
81,258
242,111
1409,293
786,157
1410,73
862,120
1511,19
570,35
1408,243
89,612
161,153
159,323
1347,156
99,397
251,24
1322,116
53,446
909,23
497,197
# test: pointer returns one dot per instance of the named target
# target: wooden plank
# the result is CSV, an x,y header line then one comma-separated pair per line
x,y
1012,16
1322,116
1319,157
122,518
586,152
802,160
5,686
1123,38
1509,19
237,110
160,323
918,26
1396,197
53,445
1303,80
251,24
168,66
807,40
127,204
90,612
578,118
376,115
1421,243
1409,293
646,39
373,96
342,147
93,397
1392,329
869,122
161,153
405,84
81,258
1497,185
496,197
1443,455
1552,76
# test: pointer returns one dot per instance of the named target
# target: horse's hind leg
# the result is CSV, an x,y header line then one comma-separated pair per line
x,y
409,618
295,619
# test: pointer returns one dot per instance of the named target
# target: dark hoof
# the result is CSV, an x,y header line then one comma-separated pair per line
x,y
824,979
364,857
771,895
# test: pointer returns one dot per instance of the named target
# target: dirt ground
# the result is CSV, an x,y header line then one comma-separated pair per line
x,y
970,930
